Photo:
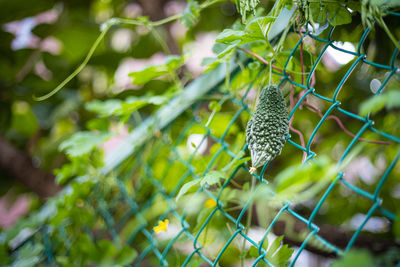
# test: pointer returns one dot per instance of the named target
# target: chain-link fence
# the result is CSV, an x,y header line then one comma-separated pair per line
x,y
145,174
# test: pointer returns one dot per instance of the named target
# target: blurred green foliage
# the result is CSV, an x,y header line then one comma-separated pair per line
x,y
67,130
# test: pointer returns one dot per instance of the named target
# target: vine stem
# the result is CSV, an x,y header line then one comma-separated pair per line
x,y
382,23
298,132
77,70
104,29
261,59
339,122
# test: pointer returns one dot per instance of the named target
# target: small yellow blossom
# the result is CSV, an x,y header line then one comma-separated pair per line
x,y
161,227
210,203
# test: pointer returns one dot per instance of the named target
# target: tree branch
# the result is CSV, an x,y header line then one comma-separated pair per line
x,y
333,235
339,122
294,232
20,167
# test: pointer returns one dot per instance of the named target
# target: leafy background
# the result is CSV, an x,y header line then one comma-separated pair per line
x,y
64,135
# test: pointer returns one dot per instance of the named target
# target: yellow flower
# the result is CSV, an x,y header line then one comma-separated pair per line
x,y
210,203
161,227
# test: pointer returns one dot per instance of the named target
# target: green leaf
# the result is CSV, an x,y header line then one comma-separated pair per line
x,y
211,178
148,74
98,124
103,108
360,257
229,36
126,256
29,255
82,143
318,12
66,171
228,49
276,253
236,161
274,246
106,253
302,182
338,14
78,166
186,188
257,29
282,256
158,99
279,254
154,71
253,252
127,108
389,100
123,108
335,12
191,14
133,103
396,225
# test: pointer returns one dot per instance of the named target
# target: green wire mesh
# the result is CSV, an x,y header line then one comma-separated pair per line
x,y
141,183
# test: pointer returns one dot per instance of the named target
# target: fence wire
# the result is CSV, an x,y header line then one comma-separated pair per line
x,y
146,188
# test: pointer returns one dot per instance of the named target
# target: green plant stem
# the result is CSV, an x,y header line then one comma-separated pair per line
x,y
221,102
78,70
160,40
109,23
391,36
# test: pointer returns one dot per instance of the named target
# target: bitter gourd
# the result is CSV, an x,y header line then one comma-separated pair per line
x,y
268,127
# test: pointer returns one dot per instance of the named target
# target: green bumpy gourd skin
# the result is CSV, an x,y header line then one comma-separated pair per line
x,y
268,128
